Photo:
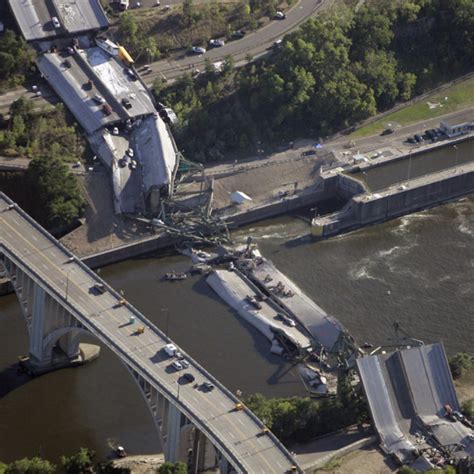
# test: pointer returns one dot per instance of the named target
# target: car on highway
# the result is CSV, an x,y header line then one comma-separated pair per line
x,y
308,153
187,377
198,50
133,165
55,21
115,131
99,99
216,43
418,138
122,163
176,365
277,44
184,363
71,50
170,350
279,15
130,152
98,288
237,34
208,386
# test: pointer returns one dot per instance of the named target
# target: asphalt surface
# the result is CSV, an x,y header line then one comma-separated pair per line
x,y
237,434
254,44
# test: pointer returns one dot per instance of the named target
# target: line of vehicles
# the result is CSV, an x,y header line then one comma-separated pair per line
x,y
433,134
179,363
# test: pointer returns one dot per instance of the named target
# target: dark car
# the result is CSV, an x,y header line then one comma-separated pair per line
x,y
308,153
126,103
98,288
237,34
411,140
418,138
388,131
187,377
208,386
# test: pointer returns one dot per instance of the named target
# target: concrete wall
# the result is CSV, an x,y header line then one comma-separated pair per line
x,y
360,212
287,204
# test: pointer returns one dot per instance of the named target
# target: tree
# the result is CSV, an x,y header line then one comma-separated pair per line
x,y
56,189
170,468
34,465
79,463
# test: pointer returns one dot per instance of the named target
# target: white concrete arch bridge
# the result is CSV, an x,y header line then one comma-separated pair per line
x,y
56,295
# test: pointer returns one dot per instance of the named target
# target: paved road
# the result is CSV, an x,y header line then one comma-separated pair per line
x,y
253,44
237,434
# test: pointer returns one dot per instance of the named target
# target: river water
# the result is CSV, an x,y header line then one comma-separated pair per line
x,y
418,270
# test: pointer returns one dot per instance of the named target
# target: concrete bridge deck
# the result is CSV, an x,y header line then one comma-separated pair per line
x,y
237,435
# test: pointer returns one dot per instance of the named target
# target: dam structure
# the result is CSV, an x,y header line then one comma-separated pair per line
x,y
388,187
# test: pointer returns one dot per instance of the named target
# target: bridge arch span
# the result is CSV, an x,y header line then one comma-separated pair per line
x,y
54,291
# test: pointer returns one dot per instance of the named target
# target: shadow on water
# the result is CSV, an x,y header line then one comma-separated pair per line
x,y
12,378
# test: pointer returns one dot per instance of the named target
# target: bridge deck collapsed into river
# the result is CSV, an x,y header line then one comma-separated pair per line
x,y
58,298
107,97
407,392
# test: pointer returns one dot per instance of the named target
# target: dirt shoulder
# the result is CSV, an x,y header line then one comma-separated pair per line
x,y
141,464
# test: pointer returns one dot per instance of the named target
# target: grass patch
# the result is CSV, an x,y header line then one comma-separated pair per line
x,y
459,96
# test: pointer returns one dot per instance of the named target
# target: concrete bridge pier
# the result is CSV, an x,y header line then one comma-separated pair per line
x,y
53,332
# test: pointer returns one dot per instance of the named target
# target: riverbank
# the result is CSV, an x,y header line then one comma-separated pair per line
x,y
141,463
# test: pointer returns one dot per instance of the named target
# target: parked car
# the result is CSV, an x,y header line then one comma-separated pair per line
x,y
308,153
198,50
184,363
55,21
237,34
130,152
279,15
418,138
388,131
176,365
133,165
216,43
122,163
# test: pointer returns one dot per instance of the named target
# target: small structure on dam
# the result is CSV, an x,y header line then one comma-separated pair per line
x,y
386,188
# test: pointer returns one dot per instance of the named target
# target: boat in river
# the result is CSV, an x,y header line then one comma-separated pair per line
x,y
173,276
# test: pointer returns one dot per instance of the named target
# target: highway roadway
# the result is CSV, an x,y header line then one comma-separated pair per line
x,y
237,434
253,44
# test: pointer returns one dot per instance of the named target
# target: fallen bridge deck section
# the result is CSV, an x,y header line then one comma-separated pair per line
x,y
408,393
237,434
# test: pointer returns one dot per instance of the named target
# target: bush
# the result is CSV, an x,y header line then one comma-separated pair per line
x,y
468,408
460,363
